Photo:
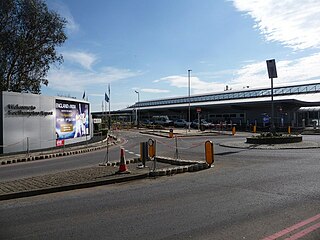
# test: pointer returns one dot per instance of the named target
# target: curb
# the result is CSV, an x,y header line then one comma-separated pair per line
x,y
72,187
266,146
183,166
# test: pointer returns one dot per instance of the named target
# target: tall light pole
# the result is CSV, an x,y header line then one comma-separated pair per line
x,y
189,112
137,116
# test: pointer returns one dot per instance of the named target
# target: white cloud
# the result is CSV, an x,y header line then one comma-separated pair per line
x,y
305,69
97,95
72,26
153,90
65,12
86,60
100,106
76,81
254,75
197,86
293,23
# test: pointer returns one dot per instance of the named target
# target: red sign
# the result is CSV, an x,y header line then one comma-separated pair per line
x,y
198,110
60,143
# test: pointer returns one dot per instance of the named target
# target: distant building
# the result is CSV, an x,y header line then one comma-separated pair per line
x,y
244,107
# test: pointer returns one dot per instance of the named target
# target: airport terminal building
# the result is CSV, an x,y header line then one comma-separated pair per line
x,y
31,121
296,106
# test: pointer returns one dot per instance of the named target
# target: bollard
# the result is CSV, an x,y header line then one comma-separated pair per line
x,y
27,146
177,151
143,153
254,128
151,148
233,131
209,152
289,130
152,152
171,133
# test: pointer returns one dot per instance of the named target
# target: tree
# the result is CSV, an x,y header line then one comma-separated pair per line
x,y
29,35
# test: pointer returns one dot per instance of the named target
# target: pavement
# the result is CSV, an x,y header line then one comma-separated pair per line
x,y
108,173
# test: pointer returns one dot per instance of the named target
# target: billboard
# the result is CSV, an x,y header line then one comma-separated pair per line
x,y
72,119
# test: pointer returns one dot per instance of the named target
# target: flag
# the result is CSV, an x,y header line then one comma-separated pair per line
x,y
84,95
106,98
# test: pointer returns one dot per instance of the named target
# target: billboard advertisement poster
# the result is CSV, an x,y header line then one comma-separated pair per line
x,y
72,119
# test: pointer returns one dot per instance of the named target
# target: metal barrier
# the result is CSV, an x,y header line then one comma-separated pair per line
x,y
178,148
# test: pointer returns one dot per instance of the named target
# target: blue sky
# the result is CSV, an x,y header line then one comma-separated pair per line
x,y
149,45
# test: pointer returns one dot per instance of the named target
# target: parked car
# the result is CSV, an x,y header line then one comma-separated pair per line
x,y
180,123
162,120
146,121
203,124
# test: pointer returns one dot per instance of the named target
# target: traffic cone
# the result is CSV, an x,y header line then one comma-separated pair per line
x,y
122,167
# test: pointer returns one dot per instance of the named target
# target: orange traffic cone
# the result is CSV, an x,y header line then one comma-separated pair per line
x,y
122,167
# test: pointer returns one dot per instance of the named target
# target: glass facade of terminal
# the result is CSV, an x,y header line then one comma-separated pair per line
x,y
228,95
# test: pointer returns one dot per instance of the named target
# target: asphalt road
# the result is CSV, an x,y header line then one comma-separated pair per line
x,y
45,166
249,194
188,148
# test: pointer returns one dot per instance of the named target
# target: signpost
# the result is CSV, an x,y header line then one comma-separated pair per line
x,y
198,111
272,72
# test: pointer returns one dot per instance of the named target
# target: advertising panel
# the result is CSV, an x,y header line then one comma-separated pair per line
x,y
72,119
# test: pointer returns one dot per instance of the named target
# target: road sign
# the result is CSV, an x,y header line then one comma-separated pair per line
x,y
272,70
266,119
198,110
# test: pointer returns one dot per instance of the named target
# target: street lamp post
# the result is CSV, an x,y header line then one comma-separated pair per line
x,y
137,116
189,112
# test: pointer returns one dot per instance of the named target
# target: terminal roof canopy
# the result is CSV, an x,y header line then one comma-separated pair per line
x,y
262,94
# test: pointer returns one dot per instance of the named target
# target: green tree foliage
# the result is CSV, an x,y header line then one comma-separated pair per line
x,y
29,35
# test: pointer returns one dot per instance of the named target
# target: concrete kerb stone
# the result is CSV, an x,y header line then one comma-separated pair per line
x,y
72,186
243,145
182,166
179,170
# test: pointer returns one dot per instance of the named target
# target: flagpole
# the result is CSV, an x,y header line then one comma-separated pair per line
x,y
105,113
109,106
102,113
